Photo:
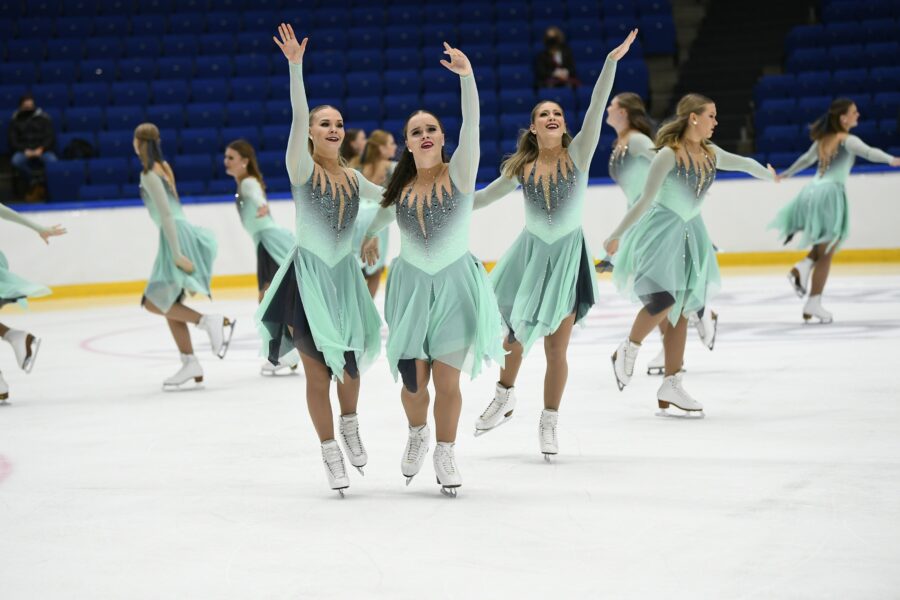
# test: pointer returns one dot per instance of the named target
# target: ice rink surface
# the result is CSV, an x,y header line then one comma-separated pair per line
x,y
790,488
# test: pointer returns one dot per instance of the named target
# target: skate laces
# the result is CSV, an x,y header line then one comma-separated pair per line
x,y
495,406
350,433
447,462
334,461
548,430
414,447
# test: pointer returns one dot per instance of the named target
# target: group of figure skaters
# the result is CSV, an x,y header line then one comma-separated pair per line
x,y
445,315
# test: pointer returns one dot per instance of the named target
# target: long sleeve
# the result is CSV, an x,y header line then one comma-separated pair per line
x,y
662,164
861,149
641,145
497,189
585,143
383,218
727,161
8,214
464,162
368,191
252,191
297,158
154,186
807,159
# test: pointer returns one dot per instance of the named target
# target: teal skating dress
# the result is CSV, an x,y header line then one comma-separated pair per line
x,y
548,273
273,244
12,287
630,163
367,212
439,304
177,237
665,256
820,213
319,291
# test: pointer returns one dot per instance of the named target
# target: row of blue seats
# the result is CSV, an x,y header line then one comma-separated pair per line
x,y
838,34
814,83
848,56
851,10
782,111
111,69
323,14
795,138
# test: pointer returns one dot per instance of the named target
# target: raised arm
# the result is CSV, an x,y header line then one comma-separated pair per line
x,y
8,214
727,161
297,158
157,192
663,162
807,159
861,149
497,189
585,143
464,162
641,145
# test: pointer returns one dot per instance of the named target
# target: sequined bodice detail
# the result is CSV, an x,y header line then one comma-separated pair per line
x,y
617,162
696,176
832,163
326,215
337,204
425,218
549,197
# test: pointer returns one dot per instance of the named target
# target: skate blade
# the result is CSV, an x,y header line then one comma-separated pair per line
x,y
616,374
656,370
409,479
229,325
480,432
715,326
795,283
340,491
448,490
32,352
184,387
282,371
807,320
685,414
3,399
547,456
360,469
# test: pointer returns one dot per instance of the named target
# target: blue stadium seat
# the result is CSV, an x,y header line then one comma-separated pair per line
x,y
513,54
782,160
774,86
490,103
362,109
175,67
565,97
851,56
188,23
631,76
330,39
617,27
64,178
325,85
33,28
117,143
850,81
169,91
130,93
812,107
97,70
395,128
442,104
110,25
222,21
366,37
548,10
781,138
806,36
403,58
87,118
364,84
91,94
476,12
52,96
193,166
243,132
400,106
511,124
657,34
250,113
213,66
100,191
521,76
137,69
477,33
260,20
838,34
201,140
56,71
103,48
839,11
439,31
517,100
186,188
108,170
31,50
402,82
886,105
813,83
271,163
439,80
180,45
654,7
154,25
125,117
808,59
207,114
74,27
368,16
882,54
209,90
885,79
328,63
155,7
217,44
252,65
142,46
278,112
249,89
881,30
364,61
481,55
888,133
249,43
401,36
486,78
583,30
618,9
167,116
589,51
220,187
274,137
490,129
23,73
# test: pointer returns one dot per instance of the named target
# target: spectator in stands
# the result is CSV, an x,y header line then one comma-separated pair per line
x,y
353,147
31,141
554,66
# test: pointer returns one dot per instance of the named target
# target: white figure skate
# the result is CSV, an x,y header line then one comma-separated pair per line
x,y
190,371
813,308
671,393
4,390
498,412
287,365
445,469
707,326
25,346
334,467
547,433
219,329
349,429
415,452
799,276
623,362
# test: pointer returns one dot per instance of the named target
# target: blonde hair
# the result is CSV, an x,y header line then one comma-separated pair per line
x,y
150,151
672,131
527,148
372,154
312,115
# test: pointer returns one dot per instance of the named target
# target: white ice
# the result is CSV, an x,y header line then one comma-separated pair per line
x,y
790,488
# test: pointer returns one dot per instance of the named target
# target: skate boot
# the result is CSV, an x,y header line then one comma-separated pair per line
x,y
334,467
657,366
603,266
190,369
219,329
799,276
498,412
25,346
287,365
671,393
416,451
547,433
707,325
445,468
4,390
813,308
623,362
349,430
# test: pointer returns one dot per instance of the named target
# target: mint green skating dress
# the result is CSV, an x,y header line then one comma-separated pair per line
x,y
664,249
168,283
548,273
629,164
273,244
367,212
439,304
819,213
12,287
319,291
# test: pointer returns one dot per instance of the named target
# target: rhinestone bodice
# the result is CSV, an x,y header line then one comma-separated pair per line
x,y
326,214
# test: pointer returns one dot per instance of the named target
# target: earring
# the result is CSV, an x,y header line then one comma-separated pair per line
x,y
693,122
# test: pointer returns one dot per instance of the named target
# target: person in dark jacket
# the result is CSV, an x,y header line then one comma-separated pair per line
x,y
30,138
554,66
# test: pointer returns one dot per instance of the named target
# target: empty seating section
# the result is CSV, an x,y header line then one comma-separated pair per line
x,y
207,72
853,53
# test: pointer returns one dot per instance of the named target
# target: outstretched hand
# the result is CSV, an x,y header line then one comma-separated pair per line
x,y
775,175
50,232
459,63
262,211
370,252
611,247
622,49
896,162
292,50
